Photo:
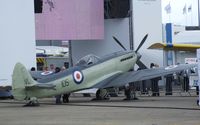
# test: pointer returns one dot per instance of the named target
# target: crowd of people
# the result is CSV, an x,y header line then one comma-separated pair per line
x,y
178,79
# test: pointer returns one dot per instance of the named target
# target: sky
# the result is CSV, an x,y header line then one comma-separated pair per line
x,y
180,12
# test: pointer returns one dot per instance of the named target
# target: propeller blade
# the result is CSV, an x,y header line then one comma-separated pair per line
x,y
141,64
119,43
142,42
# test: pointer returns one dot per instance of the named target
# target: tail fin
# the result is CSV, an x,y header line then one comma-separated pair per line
x,y
20,79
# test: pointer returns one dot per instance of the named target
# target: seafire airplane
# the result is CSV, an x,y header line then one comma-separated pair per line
x,y
114,70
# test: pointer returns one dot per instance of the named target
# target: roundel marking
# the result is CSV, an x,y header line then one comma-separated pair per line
x,y
171,67
46,73
78,77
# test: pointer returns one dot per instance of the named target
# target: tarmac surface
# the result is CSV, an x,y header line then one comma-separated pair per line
x,y
164,110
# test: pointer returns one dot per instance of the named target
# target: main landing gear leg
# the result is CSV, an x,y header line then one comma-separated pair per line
x,y
102,94
66,98
32,102
130,95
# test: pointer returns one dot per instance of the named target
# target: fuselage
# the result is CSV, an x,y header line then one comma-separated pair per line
x,y
84,77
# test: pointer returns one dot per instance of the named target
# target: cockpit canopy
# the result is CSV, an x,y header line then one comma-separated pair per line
x,y
88,60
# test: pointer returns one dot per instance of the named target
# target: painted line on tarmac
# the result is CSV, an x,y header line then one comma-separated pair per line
x,y
109,106
134,107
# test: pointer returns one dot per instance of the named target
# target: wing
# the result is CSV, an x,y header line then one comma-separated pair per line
x,y
145,74
106,81
40,86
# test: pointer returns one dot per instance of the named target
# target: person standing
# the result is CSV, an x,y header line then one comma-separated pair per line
x,y
154,82
58,97
65,96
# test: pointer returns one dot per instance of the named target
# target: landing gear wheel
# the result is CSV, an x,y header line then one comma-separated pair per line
x,y
102,94
130,95
66,98
32,103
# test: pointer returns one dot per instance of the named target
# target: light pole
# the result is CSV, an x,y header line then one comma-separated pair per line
x,y
131,36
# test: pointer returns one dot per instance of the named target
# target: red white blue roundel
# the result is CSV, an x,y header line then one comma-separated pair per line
x,y
78,77
45,73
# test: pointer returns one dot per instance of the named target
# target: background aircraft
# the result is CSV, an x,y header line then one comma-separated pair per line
x,y
176,46
113,70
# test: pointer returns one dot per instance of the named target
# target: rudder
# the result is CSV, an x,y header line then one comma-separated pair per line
x,y
20,79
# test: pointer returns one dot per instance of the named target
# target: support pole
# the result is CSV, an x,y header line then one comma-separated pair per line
x,y
70,54
131,36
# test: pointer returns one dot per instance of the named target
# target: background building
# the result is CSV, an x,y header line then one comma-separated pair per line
x,y
17,39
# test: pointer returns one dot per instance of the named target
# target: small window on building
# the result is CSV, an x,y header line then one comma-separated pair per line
x,y
38,5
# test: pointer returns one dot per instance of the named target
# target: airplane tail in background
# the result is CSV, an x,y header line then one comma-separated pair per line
x,y
20,79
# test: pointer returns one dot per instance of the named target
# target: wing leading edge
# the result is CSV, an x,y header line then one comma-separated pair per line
x,y
146,74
